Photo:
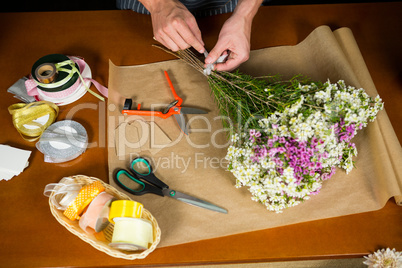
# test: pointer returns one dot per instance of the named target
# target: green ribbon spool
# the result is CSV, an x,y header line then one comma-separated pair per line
x,y
68,72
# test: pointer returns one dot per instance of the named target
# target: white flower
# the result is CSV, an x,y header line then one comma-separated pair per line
x,y
320,95
304,87
270,178
384,258
292,120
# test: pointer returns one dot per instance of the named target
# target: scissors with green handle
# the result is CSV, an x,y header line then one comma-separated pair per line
x,y
142,174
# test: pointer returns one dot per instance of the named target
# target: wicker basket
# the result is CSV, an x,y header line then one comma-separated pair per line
x,y
102,243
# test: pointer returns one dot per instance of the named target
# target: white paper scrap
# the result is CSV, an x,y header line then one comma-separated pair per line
x,y
12,161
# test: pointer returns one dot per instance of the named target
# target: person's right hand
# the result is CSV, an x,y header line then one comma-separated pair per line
x,y
174,26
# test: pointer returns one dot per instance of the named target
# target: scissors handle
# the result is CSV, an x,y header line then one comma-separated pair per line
x,y
172,109
147,174
145,187
176,97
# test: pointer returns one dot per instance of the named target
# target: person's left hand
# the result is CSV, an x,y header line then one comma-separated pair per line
x,y
234,39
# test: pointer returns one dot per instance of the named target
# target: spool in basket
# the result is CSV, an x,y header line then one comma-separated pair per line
x,y
103,245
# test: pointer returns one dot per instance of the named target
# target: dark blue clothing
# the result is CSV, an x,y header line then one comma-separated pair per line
x,y
199,8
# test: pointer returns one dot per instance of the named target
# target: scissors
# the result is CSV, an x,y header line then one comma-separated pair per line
x,y
174,108
142,174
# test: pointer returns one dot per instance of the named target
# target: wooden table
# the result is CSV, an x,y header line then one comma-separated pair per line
x,y
30,236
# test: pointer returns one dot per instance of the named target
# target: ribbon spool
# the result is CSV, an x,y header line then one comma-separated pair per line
x,y
72,80
32,119
89,220
103,219
46,73
63,193
63,141
132,234
83,199
125,208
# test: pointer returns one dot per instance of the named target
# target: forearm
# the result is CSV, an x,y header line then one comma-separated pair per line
x,y
155,5
234,37
247,9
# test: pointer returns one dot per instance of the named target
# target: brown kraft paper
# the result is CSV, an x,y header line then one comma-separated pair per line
x,y
195,164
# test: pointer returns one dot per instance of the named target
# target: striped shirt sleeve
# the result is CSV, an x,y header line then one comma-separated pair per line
x,y
199,8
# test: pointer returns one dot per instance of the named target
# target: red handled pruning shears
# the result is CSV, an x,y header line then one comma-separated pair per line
x,y
174,108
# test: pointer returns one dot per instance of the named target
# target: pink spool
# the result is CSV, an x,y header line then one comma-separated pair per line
x,y
88,220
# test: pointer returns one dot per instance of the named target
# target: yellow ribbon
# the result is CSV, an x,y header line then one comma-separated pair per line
x,y
83,199
24,116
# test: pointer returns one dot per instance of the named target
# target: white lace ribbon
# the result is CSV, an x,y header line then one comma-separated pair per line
x,y
63,193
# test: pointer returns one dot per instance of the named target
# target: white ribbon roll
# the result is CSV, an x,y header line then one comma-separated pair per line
x,y
63,141
63,193
132,234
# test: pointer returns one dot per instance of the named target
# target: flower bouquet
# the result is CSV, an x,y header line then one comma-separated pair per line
x,y
287,136
384,258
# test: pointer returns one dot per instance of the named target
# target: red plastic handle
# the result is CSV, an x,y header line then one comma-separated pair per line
x,y
176,97
173,110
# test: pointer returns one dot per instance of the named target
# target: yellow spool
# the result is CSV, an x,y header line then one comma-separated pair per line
x,y
125,208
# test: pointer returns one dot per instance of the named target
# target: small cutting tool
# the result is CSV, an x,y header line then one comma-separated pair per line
x,y
174,108
142,174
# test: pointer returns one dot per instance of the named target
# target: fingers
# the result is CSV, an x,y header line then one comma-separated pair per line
x,y
238,48
215,53
231,63
191,35
180,34
233,60
167,42
195,32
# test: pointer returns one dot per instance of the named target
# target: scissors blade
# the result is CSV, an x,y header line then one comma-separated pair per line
x,y
193,200
182,124
189,110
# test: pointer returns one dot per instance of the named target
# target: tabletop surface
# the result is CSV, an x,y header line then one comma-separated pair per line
x,y
30,236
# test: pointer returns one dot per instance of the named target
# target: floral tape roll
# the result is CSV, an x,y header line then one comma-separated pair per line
x,y
63,194
84,197
89,219
32,119
63,141
125,208
132,234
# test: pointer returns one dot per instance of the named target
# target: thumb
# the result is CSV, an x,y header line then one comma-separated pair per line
x,y
215,53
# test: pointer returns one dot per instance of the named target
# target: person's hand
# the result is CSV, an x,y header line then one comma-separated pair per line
x,y
234,39
174,26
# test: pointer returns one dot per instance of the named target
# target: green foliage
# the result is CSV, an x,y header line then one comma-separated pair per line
x,y
244,99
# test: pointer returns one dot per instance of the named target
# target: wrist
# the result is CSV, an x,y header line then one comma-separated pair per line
x,y
247,9
155,5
